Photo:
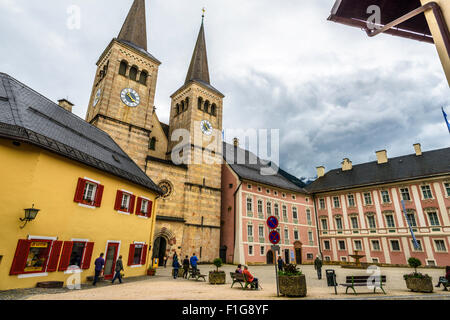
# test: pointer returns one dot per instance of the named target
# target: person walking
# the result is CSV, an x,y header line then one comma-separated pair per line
x,y
194,261
186,267
99,264
176,267
165,261
119,268
318,266
280,263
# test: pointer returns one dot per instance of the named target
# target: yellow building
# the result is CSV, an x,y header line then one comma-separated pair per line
x,y
92,198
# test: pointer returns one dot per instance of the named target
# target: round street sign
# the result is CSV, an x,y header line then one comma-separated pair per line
x,y
274,237
272,222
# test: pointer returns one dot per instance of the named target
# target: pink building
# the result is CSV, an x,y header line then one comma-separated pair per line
x,y
359,208
249,198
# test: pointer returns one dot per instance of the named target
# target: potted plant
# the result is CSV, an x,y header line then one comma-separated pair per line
x,y
216,276
292,282
151,271
417,281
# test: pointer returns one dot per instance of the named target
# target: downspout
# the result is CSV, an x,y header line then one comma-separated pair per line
x,y
234,227
152,234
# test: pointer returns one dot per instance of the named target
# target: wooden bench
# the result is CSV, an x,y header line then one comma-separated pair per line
x,y
362,281
196,275
444,282
242,280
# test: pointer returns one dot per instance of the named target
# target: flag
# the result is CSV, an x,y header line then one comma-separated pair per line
x,y
446,119
416,244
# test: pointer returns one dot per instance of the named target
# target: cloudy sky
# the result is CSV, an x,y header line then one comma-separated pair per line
x,y
332,91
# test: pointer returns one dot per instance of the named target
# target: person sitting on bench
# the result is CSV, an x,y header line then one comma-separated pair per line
x,y
239,269
444,280
252,280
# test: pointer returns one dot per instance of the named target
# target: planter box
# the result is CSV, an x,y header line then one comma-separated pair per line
x,y
151,272
292,286
50,284
420,284
217,277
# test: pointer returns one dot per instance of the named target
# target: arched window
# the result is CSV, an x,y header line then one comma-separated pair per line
x,y
123,68
200,103
143,78
178,109
182,106
152,145
133,73
187,103
214,109
207,106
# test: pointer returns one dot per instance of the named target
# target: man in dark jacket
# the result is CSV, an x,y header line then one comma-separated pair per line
x,y
176,267
186,267
318,267
119,268
99,263
280,263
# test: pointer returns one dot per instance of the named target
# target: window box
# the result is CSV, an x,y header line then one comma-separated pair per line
x,y
124,202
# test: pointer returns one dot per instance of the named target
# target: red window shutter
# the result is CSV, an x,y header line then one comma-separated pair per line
x,y
99,196
131,254
20,257
132,202
144,255
86,264
138,206
79,191
118,200
52,265
65,256
149,209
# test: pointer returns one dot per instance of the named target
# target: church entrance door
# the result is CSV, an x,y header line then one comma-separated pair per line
x,y
159,250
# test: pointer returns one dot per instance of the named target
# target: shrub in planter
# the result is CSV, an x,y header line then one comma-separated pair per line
x,y
151,271
417,281
292,282
216,276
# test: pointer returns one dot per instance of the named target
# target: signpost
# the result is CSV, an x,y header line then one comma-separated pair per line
x,y
274,237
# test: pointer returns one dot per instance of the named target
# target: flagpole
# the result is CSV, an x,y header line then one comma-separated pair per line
x,y
446,119
416,244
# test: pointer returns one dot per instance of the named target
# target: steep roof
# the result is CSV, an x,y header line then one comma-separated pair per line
x,y
429,164
134,29
198,69
252,168
27,116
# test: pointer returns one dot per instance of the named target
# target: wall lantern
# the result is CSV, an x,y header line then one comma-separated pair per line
x,y
30,215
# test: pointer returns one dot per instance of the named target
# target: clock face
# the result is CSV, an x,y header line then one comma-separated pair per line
x,y
206,127
130,97
98,95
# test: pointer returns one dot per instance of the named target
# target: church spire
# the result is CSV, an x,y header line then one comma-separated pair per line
x,y
198,69
134,29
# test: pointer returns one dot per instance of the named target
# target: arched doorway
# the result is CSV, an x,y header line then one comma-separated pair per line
x,y
159,250
269,257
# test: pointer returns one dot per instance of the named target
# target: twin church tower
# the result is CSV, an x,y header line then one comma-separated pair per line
x,y
122,104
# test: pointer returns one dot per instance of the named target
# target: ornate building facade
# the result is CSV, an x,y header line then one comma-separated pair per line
x,y
122,104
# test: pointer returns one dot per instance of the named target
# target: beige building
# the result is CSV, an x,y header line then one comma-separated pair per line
x,y
122,104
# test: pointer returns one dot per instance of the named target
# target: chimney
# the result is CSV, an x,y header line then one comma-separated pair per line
x,y
320,172
236,142
346,165
65,104
382,156
418,149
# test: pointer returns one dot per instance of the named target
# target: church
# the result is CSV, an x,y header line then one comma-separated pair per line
x,y
122,105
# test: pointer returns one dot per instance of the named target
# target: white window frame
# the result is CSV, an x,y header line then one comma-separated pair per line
x,y
308,217
360,242
86,191
351,221
322,219
446,190
296,237
343,258
339,245
294,210
413,248
393,220
249,230
249,202
375,260
423,194
388,196
353,200
336,218
407,191
431,265
125,196
253,250
329,245
365,199
373,247
435,211
373,216
436,248
322,200
262,251
259,231
338,202
413,213
399,245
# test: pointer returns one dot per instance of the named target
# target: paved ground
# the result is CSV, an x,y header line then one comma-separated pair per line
x,y
163,287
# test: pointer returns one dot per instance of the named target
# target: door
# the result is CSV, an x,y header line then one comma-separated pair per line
x,y
160,250
269,257
110,261
223,254
287,259
298,255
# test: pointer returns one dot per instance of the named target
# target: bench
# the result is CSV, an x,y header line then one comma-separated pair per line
x,y
242,280
196,275
362,281
444,282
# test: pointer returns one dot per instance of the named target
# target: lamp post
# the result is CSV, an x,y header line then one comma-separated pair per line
x,y
30,215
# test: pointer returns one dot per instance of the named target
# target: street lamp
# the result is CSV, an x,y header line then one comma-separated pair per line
x,y
30,215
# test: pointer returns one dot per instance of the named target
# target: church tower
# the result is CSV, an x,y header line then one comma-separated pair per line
x,y
198,107
123,93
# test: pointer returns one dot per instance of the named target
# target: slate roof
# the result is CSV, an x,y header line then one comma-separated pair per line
x,y
134,28
429,164
251,169
27,116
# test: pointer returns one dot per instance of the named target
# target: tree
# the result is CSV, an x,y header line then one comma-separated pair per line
x,y
414,263
218,263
